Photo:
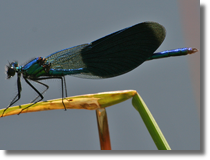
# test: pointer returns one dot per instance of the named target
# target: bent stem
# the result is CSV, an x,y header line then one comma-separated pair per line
x,y
99,102
150,123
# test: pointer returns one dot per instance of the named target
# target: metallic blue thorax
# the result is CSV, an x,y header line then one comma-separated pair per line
x,y
35,68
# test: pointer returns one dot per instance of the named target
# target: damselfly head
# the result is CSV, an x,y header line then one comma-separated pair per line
x,y
11,69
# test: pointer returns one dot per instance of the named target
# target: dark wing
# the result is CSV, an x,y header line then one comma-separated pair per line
x,y
114,54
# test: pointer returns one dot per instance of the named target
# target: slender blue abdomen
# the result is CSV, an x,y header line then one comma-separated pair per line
x,y
172,53
64,72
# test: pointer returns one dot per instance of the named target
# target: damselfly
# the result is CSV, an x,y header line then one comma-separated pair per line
x,y
109,56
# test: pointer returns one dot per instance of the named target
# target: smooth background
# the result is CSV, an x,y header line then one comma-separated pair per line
x,y
38,28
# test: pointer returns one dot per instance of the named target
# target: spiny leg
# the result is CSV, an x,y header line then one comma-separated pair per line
x,y
62,90
62,81
17,97
47,87
40,95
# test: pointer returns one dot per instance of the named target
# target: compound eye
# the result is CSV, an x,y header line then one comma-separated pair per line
x,y
10,70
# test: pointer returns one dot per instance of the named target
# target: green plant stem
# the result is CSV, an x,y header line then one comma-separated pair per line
x,y
150,123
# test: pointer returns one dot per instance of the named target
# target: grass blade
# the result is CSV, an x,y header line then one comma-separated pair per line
x,y
150,123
